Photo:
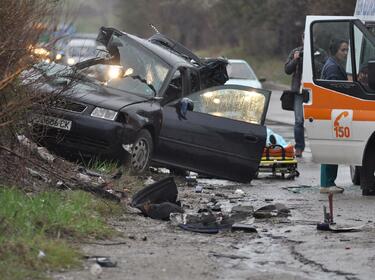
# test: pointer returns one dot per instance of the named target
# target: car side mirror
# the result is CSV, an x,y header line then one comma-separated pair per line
x,y
371,74
262,79
184,105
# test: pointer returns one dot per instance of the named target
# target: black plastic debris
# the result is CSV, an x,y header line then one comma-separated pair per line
x,y
161,211
103,261
158,200
207,222
200,228
246,209
242,212
106,262
244,227
162,191
191,180
216,208
273,210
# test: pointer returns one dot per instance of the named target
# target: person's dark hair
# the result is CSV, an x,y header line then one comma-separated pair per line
x,y
335,44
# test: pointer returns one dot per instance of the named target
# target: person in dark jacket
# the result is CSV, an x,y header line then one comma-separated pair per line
x,y
293,66
333,69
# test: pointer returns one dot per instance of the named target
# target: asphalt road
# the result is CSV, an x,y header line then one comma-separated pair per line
x,y
283,248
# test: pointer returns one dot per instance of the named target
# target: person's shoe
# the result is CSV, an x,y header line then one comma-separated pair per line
x,y
333,189
298,153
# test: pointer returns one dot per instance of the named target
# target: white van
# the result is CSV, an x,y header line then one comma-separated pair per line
x,y
340,114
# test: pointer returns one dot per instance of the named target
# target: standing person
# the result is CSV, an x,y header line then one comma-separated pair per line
x,y
293,67
333,69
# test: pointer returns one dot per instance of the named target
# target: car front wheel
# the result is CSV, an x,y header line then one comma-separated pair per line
x,y
141,152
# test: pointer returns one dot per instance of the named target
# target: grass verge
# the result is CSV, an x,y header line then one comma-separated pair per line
x,y
36,232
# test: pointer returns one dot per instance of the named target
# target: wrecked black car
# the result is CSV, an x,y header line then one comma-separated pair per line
x,y
167,106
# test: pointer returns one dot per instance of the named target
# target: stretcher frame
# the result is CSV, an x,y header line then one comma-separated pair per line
x,y
279,161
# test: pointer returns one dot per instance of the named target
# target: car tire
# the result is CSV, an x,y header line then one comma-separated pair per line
x,y
355,174
141,152
367,174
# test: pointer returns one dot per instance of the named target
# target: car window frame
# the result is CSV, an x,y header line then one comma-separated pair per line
x,y
353,87
125,38
264,92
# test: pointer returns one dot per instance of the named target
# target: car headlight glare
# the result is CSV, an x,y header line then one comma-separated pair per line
x,y
41,52
58,56
114,72
71,61
104,113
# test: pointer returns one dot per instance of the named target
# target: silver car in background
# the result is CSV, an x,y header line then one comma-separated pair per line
x,y
241,73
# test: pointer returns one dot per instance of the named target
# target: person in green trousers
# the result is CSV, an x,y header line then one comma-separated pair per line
x,y
333,69
328,175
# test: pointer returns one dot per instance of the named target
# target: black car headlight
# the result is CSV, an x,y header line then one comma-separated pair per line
x,y
103,113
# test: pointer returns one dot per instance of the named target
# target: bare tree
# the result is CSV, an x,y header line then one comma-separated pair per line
x,y
21,24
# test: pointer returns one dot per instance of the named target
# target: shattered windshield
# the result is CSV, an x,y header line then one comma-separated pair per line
x,y
142,72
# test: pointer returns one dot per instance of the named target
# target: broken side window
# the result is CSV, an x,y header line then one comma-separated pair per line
x,y
233,103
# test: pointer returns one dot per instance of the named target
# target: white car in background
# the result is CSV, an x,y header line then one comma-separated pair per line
x,y
241,73
81,49
78,50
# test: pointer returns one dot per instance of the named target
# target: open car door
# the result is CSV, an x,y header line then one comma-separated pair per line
x,y
223,135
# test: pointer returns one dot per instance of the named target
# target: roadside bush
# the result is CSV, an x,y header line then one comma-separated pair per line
x,y
22,24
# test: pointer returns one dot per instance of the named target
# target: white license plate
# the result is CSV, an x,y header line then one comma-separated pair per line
x,y
52,122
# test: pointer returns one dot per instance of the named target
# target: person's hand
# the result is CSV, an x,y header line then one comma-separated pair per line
x,y
296,55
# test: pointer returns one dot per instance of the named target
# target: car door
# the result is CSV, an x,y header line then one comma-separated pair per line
x,y
223,136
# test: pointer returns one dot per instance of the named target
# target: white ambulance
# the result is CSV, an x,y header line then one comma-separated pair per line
x,y
340,113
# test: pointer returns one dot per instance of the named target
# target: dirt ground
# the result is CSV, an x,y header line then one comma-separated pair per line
x,y
283,248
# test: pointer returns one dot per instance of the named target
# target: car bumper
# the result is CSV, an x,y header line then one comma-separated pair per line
x,y
87,136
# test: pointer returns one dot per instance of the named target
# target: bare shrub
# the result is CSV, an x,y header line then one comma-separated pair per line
x,y
21,25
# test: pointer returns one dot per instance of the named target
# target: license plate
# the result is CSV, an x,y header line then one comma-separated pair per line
x,y
52,122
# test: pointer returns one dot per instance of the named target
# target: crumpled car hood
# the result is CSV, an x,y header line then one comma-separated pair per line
x,y
77,87
102,97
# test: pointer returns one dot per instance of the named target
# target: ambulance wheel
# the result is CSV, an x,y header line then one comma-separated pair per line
x,y
367,177
355,174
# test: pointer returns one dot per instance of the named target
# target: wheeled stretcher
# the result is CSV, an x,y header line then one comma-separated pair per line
x,y
279,161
